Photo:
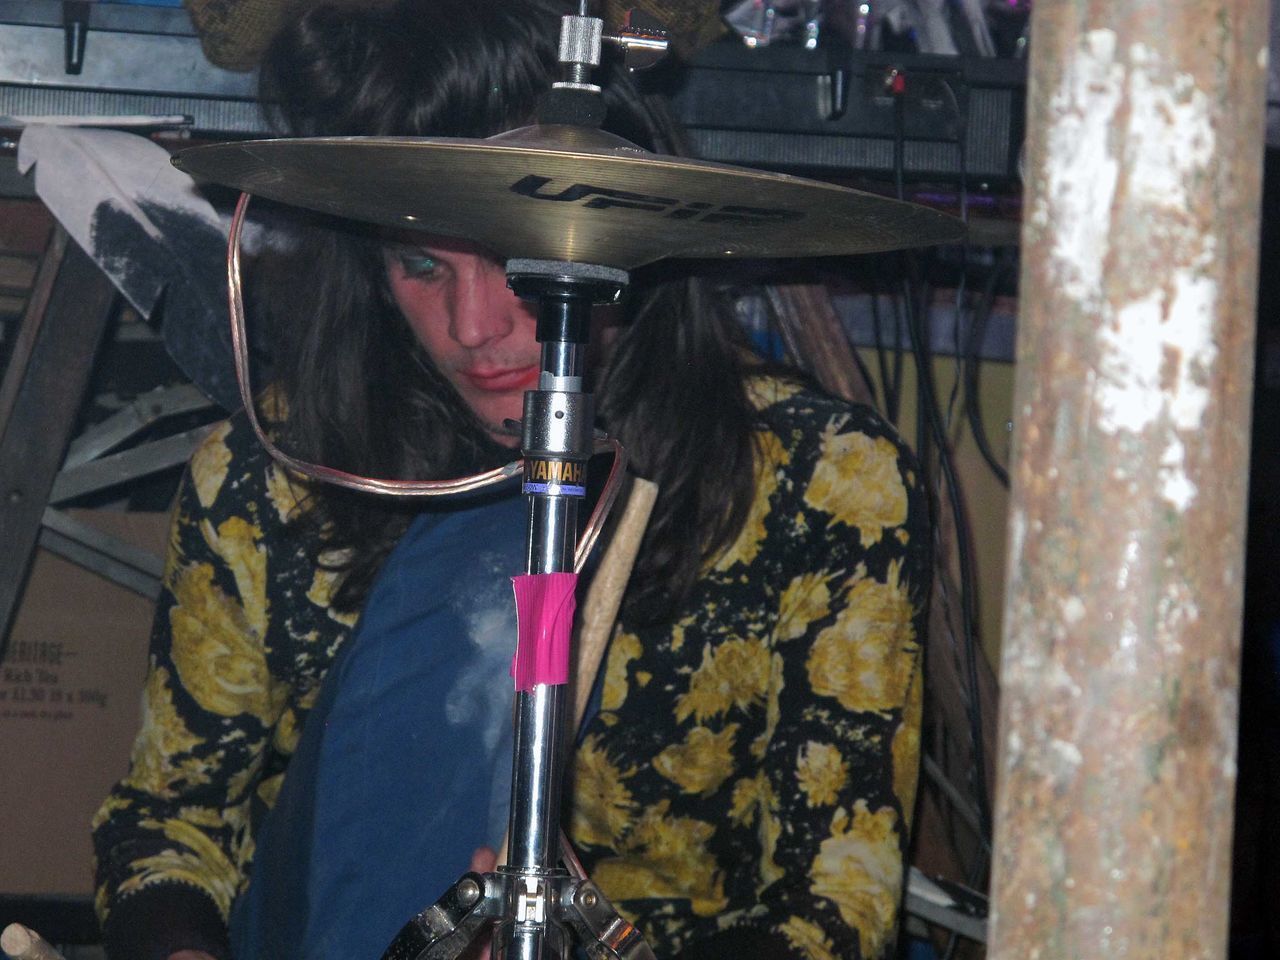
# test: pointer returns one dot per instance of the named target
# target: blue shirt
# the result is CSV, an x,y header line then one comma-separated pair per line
x,y
403,767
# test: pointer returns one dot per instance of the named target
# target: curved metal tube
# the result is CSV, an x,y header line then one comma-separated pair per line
x,y
399,488
239,347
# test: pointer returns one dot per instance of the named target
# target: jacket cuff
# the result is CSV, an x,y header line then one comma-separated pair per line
x,y
162,918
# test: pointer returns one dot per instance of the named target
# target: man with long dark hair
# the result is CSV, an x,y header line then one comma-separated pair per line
x,y
744,783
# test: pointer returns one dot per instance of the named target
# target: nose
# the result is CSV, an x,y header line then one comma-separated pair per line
x,y
485,309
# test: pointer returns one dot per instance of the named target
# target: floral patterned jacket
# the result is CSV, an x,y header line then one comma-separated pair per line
x,y
748,780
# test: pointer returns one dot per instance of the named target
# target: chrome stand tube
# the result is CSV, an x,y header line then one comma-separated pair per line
x,y
556,443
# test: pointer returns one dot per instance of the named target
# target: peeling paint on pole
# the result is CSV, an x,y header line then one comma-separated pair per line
x,y
1120,665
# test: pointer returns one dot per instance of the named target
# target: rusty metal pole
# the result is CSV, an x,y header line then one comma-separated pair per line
x,y
1120,668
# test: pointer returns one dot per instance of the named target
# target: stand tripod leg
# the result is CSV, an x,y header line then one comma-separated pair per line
x,y
448,926
604,934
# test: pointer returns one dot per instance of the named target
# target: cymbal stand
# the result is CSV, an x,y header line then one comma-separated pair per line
x,y
531,899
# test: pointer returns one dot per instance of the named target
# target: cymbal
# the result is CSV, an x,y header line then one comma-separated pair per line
x,y
569,193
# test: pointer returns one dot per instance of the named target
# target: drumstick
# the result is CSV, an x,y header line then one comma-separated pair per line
x,y
23,943
607,587
605,597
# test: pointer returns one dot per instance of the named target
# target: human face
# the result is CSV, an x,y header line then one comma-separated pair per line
x,y
480,335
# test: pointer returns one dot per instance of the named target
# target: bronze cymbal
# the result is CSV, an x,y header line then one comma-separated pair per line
x,y
569,193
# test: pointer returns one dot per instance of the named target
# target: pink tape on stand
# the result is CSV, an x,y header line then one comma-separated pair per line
x,y
545,603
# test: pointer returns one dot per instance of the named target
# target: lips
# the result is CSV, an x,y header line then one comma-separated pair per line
x,y
502,380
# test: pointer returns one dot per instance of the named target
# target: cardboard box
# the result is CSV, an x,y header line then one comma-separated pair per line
x,y
70,689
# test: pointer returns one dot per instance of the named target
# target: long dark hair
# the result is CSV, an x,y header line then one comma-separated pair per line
x,y
362,395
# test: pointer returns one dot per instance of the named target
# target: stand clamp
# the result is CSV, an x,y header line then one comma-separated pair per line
x,y
642,43
446,928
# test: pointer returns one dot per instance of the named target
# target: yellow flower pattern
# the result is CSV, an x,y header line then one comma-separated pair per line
x,y
193,859
324,583
806,599
822,773
765,392
789,688
227,688
238,544
867,658
666,856
771,458
285,736
286,493
747,797
859,868
751,764
905,748
808,938
769,830
858,482
269,789
624,648
677,632
209,465
702,762
603,809
734,674
162,754
773,706
754,803
217,650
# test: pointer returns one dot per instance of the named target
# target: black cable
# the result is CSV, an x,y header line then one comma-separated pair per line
x,y
932,417
961,146
968,618
899,353
928,400
894,86
978,867
888,387
915,285
956,324
866,374
962,139
970,366
973,364
897,85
